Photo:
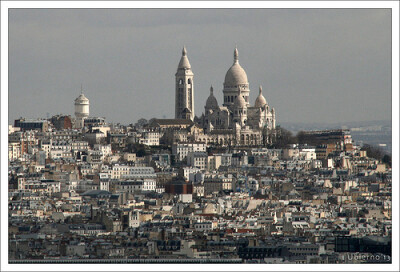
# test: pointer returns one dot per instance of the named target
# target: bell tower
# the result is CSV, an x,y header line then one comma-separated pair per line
x,y
184,97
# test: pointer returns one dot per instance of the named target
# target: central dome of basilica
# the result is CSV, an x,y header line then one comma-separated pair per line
x,y
236,75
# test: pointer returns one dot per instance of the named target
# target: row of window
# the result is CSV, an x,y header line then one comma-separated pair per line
x,y
233,97
188,82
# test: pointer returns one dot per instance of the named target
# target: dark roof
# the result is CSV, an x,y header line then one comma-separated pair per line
x,y
95,193
178,182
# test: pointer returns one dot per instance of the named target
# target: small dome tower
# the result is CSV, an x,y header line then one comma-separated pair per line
x,y
81,110
260,100
240,109
212,103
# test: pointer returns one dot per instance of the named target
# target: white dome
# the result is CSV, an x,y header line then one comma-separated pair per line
x,y
239,101
81,99
212,102
184,62
236,74
260,100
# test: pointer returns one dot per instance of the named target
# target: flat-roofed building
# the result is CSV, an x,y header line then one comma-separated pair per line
x,y
31,124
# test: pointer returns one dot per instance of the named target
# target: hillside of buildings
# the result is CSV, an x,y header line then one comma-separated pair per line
x,y
157,192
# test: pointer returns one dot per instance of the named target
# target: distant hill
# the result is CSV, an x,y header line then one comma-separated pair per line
x,y
385,125
376,133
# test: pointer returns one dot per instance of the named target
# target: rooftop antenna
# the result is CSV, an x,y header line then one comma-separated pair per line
x,y
81,89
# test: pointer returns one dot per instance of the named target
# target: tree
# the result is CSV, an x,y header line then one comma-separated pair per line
x,y
283,138
387,159
304,138
152,120
301,137
141,150
373,151
141,123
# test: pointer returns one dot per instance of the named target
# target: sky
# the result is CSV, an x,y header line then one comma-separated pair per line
x,y
315,65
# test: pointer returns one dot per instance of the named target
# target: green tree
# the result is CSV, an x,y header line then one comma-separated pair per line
x,y
387,159
373,151
283,138
141,123
304,138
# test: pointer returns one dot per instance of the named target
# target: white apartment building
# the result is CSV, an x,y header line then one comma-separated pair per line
x,y
186,171
205,226
145,136
104,185
105,148
61,145
132,186
213,162
198,189
308,154
48,186
95,156
119,170
217,184
79,146
124,171
141,172
81,185
60,154
316,164
46,147
197,159
130,157
134,219
29,136
290,153
181,150
150,138
14,151
86,169
226,159
299,153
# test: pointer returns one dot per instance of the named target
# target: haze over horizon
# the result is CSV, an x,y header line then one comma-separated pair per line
x,y
315,65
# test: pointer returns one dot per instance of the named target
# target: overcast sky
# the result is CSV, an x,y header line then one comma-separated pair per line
x,y
315,65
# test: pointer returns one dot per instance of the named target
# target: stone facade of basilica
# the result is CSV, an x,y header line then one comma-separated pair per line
x,y
236,122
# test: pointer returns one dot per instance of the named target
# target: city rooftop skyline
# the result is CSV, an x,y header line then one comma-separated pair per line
x,y
315,65
233,188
